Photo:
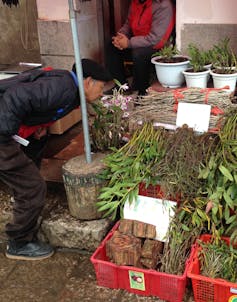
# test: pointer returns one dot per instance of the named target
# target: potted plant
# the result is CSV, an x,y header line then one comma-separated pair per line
x,y
208,58
198,74
169,64
224,72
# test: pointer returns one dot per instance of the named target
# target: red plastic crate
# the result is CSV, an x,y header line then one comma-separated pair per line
x,y
155,191
207,289
150,190
152,283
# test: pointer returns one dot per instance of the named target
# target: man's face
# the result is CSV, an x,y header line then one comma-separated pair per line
x,y
93,89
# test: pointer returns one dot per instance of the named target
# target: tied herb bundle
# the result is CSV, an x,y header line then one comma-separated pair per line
x,y
129,166
220,175
186,225
179,168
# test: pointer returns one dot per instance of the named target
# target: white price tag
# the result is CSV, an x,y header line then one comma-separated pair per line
x,y
196,116
153,211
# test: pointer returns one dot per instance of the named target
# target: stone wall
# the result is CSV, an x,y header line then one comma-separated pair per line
x,y
55,36
19,36
205,35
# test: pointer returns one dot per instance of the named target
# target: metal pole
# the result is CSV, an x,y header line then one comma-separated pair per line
x,y
72,15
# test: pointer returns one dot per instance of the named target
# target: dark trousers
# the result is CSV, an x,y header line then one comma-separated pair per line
x,y
35,149
28,187
141,58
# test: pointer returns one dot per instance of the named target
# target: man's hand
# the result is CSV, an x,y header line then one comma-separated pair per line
x,y
120,41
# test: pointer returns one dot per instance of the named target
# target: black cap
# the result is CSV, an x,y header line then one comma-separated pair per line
x,y
92,69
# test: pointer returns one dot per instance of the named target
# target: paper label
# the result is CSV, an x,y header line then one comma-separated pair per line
x,y
151,210
137,280
196,116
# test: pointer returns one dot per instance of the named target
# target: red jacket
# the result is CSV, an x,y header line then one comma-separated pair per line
x,y
149,24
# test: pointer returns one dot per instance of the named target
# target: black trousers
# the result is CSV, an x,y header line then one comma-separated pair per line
x,y
35,149
141,58
21,174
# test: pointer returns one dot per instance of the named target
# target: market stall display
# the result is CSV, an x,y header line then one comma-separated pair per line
x,y
161,107
195,169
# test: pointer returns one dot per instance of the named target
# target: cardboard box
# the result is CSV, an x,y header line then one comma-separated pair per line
x,y
66,122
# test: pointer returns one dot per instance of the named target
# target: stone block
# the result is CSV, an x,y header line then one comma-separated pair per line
x,y
55,38
57,226
210,34
68,232
58,62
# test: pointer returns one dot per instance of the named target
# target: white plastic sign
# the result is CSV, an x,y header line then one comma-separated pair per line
x,y
196,116
150,210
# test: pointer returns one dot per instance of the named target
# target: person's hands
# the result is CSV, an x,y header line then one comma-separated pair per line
x,y
115,42
120,41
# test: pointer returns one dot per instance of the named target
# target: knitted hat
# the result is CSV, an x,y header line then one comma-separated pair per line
x,y
92,69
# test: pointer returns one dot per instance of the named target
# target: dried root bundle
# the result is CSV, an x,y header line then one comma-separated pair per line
x,y
161,107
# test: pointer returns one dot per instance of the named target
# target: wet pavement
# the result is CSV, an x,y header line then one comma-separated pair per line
x,y
66,276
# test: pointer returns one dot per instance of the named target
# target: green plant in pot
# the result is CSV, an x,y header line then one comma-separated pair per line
x,y
224,73
225,60
169,64
197,58
198,74
208,58
168,54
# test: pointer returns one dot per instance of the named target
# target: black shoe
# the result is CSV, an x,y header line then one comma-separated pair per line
x,y
28,251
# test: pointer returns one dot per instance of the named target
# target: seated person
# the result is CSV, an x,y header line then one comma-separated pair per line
x,y
147,29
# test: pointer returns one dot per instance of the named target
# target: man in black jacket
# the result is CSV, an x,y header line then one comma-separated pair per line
x,y
36,98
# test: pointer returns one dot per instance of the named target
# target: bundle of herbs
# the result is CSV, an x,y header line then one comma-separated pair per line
x,y
128,166
218,260
182,233
161,107
178,170
220,175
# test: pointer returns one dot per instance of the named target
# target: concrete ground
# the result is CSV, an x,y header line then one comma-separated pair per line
x,y
67,276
